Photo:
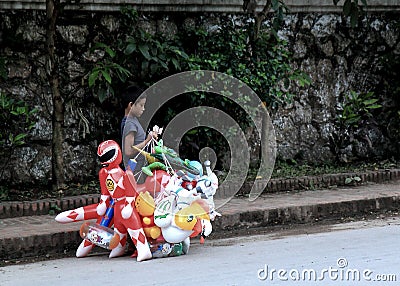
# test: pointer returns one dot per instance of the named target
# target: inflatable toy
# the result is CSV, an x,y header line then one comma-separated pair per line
x,y
169,157
173,205
99,235
165,249
87,213
145,206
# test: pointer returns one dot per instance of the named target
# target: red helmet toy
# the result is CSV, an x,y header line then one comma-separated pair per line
x,y
109,153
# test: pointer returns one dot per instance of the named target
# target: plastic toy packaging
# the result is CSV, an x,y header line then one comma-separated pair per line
x,y
99,235
165,249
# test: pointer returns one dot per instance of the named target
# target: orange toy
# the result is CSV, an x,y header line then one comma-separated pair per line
x,y
145,206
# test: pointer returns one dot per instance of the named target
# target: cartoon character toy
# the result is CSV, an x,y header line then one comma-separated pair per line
x,y
152,184
118,185
207,186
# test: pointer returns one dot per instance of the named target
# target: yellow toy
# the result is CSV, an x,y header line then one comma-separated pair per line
x,y
188,217
145,206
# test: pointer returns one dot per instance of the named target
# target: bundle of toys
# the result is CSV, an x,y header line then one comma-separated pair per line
x,y
173,205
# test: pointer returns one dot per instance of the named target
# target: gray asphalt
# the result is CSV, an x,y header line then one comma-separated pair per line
x,y
354,253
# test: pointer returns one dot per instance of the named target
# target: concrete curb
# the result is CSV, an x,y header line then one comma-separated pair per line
x,y
307,213
46,206
44,245
323,181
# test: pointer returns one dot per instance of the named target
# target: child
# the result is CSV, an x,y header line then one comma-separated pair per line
x,y
132,131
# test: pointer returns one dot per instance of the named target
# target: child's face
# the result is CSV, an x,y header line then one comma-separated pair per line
x,y
138,108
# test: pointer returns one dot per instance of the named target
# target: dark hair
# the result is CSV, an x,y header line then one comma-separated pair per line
x,y
131,94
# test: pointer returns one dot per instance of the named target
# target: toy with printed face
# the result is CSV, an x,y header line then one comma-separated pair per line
x,y
185,209
207,186
99,235
163,218
196,218
121,187
88,212
166,249
183,196
179,225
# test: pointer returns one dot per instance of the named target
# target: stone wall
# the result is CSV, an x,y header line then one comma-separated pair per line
x,y
337,57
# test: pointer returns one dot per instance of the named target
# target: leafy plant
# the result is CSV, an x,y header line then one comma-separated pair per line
x,y
16,120
139,56
353,115
156,56
54,209
263,65
4,193
356,108
352,180
151,55
101,76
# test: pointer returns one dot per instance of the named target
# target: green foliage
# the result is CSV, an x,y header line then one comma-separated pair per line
x,y
354,180
4,193
105,73
353,114
279,8
54,209
151,55
16,120
139,56
262,65
356,108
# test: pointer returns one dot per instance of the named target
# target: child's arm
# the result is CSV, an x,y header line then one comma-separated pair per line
x,y
129,150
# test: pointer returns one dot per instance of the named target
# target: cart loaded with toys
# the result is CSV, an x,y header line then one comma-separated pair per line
x,y
173,205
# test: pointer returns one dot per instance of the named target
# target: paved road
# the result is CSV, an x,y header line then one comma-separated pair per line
x,y
343,254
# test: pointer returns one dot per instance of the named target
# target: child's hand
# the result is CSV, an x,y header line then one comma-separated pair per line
x,y
152,135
